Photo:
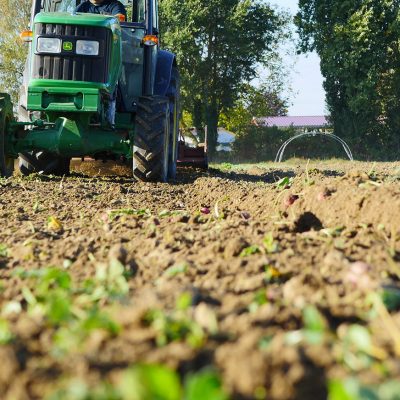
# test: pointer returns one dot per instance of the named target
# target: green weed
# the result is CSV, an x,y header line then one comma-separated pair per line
x,y
259,299
176,270
314,328
3,250
5,332
147,382
352,389
270,245
284,183
175,326
248,251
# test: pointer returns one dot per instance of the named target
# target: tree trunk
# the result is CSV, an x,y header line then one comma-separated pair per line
x,y
212,116
198,118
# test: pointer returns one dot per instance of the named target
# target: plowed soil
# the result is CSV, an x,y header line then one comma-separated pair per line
x,y
278,263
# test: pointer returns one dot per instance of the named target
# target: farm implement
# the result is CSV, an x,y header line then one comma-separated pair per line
x,y
93,86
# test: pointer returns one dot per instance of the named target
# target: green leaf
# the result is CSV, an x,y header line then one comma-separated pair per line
x,y
391,298
184,301
284,183
99,320
359,337
5,332
313,320
204,385
343,390
248,251
176,269
3,250
150,382
269,244
58,305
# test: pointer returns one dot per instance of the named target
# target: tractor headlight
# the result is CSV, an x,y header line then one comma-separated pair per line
x,y
87,47
48,45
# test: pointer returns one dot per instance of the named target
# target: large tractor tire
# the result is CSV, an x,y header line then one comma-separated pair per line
x,y
44,163
174,105
151,140
6,116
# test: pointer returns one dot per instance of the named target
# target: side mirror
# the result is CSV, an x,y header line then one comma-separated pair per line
x,y
26,36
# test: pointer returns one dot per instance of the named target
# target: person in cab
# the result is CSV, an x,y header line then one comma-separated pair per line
x,y
106,7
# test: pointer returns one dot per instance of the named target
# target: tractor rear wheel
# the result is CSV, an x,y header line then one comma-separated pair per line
x,y
6,116
173,96
151,139
43,162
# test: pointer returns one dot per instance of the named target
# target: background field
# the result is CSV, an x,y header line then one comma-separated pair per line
x,y
281,281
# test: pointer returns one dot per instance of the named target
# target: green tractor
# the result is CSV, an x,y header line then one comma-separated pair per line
x,y
93,86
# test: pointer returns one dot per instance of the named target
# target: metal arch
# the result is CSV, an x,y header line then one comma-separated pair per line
x,y
282,149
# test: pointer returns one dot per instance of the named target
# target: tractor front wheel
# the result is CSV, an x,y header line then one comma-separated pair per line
x,y
44,163
151,139
6,116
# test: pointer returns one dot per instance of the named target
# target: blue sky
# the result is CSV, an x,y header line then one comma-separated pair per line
x,y
308,96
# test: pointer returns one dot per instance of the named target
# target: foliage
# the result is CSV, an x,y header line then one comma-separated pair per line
x,y
175,326
147,382
219,46
253,102
250,250
352,389
3,250
358,45
73,310
14,18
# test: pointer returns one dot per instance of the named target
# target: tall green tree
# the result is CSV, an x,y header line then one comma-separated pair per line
x,y
14,18
358,43
219,45
253,102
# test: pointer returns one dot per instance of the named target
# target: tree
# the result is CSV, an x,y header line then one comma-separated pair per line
x,y
219,46
357,42
254,102
14,18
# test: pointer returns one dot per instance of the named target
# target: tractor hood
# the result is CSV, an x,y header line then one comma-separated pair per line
x,y
106,21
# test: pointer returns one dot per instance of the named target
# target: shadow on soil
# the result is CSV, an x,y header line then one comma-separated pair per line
x,y
186,175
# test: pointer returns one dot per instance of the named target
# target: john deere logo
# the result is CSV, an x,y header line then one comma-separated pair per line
x,y
68,46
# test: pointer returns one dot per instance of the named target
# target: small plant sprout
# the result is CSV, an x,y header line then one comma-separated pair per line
x,y
37,207
5,333
333,232
112,214
250,250
259,299
308,181
372,172
270,245
176,270
284,183
272,274
54,224
175,326
3,251
314,328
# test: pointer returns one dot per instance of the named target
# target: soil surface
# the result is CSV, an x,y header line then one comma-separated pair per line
x,y
284,278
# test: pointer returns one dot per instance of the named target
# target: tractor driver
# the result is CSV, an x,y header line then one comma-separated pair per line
x,y
107,7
